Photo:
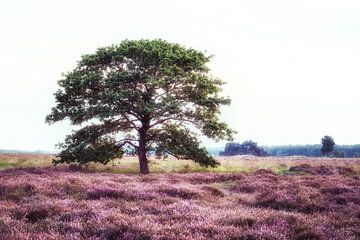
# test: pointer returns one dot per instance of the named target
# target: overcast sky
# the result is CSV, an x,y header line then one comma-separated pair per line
x,y
292,67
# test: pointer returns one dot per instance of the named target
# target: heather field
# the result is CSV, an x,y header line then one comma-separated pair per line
x,y
246,198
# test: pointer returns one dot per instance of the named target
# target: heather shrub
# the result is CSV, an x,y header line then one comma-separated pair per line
x,y
213,191
246,236
183,193
36,215
316,170
264,172
305,234
168,200
37,212
255,183
116,229
340,200
16,192
67,188
5,229
76,205
323,170
201,178
297,199
148,179
311,183
207,231
345,170
244,187
240,222
99,193
335,190
83,215
74,167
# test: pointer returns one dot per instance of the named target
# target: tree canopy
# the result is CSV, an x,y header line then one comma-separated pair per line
x,y
140,96
328,144
246,148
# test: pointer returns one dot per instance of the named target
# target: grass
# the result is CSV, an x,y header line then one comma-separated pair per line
x,y
237,164
4,165
242,164
25,160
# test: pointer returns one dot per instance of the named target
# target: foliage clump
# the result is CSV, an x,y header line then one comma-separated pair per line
x,y
246,148
328,144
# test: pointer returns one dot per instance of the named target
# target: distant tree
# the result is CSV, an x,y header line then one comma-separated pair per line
x,y
328,144
251,148
140,96
231,148
357,155
246,148
338,153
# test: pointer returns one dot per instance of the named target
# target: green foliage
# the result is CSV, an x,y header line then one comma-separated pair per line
x,y
246,148
140,92
89,144
183,145
338,154
5,165
328,144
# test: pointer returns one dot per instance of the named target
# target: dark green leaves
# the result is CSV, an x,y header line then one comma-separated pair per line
x,y
90,144
181,143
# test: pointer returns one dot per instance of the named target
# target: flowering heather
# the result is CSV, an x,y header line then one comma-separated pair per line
x,y
59,203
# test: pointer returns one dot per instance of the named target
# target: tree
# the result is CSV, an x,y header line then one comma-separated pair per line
x,y
246,148
140,96
327,145
251,148
338,154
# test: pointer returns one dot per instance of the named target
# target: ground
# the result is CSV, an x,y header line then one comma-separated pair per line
x,y
247,198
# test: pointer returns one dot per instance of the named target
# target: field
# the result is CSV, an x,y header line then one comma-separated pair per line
x,y
246,198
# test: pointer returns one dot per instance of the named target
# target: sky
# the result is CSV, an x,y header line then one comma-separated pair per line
x,y
292,67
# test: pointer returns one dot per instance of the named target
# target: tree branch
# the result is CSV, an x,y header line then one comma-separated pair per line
x,y
127,142
173,118
131,121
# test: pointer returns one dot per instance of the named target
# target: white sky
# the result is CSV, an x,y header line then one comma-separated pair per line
x,y
292,67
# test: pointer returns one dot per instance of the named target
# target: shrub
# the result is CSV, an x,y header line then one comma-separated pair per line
x,y
240,222
306,168
16,192
183,193
214,191
99,193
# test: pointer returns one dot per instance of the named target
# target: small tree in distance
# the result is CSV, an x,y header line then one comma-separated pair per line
x,y
140,96
246,148
328,144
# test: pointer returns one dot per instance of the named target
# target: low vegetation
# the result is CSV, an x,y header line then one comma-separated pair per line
x,y
307,199
235,164
60,203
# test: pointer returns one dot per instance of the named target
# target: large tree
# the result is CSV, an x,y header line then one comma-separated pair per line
x,y
140,96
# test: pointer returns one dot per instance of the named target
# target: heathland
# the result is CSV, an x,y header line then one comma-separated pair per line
x,y
245,198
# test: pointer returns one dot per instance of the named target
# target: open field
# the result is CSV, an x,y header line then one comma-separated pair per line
x,y
130,165
315,199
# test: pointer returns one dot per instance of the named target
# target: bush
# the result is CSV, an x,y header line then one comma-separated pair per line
x,y
16,192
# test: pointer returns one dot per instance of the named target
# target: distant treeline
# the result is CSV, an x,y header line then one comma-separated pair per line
x,y
12,151
312,150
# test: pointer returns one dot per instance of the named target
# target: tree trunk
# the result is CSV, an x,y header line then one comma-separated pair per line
x,y
144,168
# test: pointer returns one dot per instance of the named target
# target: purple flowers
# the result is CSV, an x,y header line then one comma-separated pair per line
x,y
54,203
